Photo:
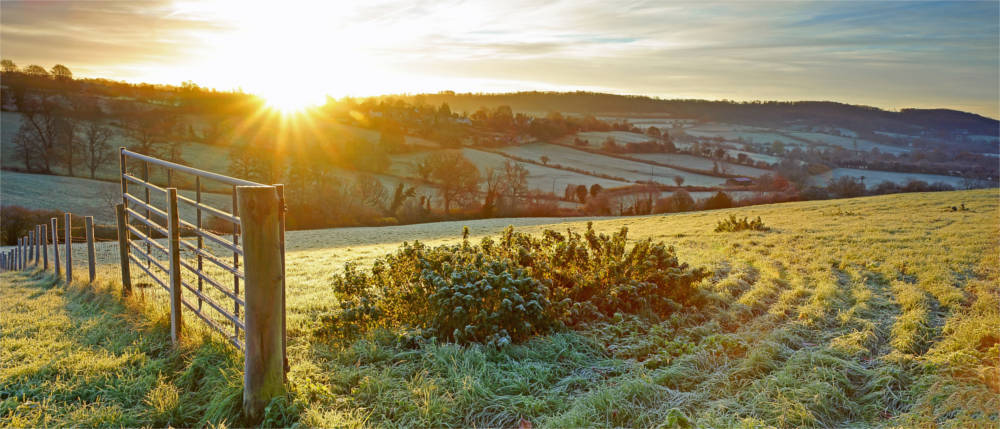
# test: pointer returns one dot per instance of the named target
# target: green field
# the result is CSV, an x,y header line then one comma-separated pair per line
x,y
879,311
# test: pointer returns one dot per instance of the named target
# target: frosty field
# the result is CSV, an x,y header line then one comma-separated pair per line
x,y
877,311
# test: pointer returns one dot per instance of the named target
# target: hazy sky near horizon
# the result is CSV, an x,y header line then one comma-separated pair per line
x,y
885,54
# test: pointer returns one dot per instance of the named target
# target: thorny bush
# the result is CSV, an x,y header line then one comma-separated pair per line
x,y
732,224
510,288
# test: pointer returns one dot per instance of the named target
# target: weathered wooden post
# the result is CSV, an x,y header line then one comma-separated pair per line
x,y
263,373
38,245
45,245
30,243
284,321
123,240
69,248
55,245
91,251
173,230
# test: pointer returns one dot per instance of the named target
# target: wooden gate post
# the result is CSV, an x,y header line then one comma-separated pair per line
x,y
45,245
91,252
263,372
123,240
173,231
69,248
284,321
55,245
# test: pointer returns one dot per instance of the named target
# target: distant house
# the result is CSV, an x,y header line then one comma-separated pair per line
x,y
740,181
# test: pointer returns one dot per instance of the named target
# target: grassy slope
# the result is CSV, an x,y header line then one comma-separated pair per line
x,y
868,311
85,197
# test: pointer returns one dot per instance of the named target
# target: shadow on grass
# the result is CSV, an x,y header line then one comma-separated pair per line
x,y
98,359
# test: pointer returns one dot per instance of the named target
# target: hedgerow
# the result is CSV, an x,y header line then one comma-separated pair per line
x,y
507,289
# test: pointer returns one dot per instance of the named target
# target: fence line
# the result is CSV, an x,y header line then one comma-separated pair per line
x,y
242,298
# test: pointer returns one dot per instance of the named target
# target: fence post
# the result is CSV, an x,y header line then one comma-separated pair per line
x,y
123,240
173,229
45,245
263,373
38,245
91,251
55,245
284,320
69,248
31,247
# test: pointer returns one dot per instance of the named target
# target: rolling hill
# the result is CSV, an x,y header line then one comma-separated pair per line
x,y
877,311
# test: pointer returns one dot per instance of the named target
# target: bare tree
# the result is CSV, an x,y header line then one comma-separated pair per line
x,y
370,191
96,148
252,162
456,176
424,169
151,132
42,133
67,142
679,180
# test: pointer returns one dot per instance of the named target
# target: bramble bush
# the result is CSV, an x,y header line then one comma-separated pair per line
x,y
732,224
507,289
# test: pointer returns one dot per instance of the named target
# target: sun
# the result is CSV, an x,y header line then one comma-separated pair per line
x,y
292,100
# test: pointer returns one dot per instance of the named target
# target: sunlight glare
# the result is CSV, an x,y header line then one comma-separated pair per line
x,y
292,99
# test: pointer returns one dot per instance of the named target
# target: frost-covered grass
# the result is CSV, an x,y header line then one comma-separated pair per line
x,y
878,311
691,161
84,197
627,169
874,177
540,177
596,138
848,143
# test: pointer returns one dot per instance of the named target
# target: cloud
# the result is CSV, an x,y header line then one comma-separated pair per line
x,y
890,54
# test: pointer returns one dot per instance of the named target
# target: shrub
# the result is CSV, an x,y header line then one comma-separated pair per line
x,y
681,201
720,200
846,187
732,224
508,289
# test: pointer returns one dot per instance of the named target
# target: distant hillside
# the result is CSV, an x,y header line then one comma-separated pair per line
x,y
936,122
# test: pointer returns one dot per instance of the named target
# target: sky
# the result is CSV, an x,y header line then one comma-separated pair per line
x,y
890,54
